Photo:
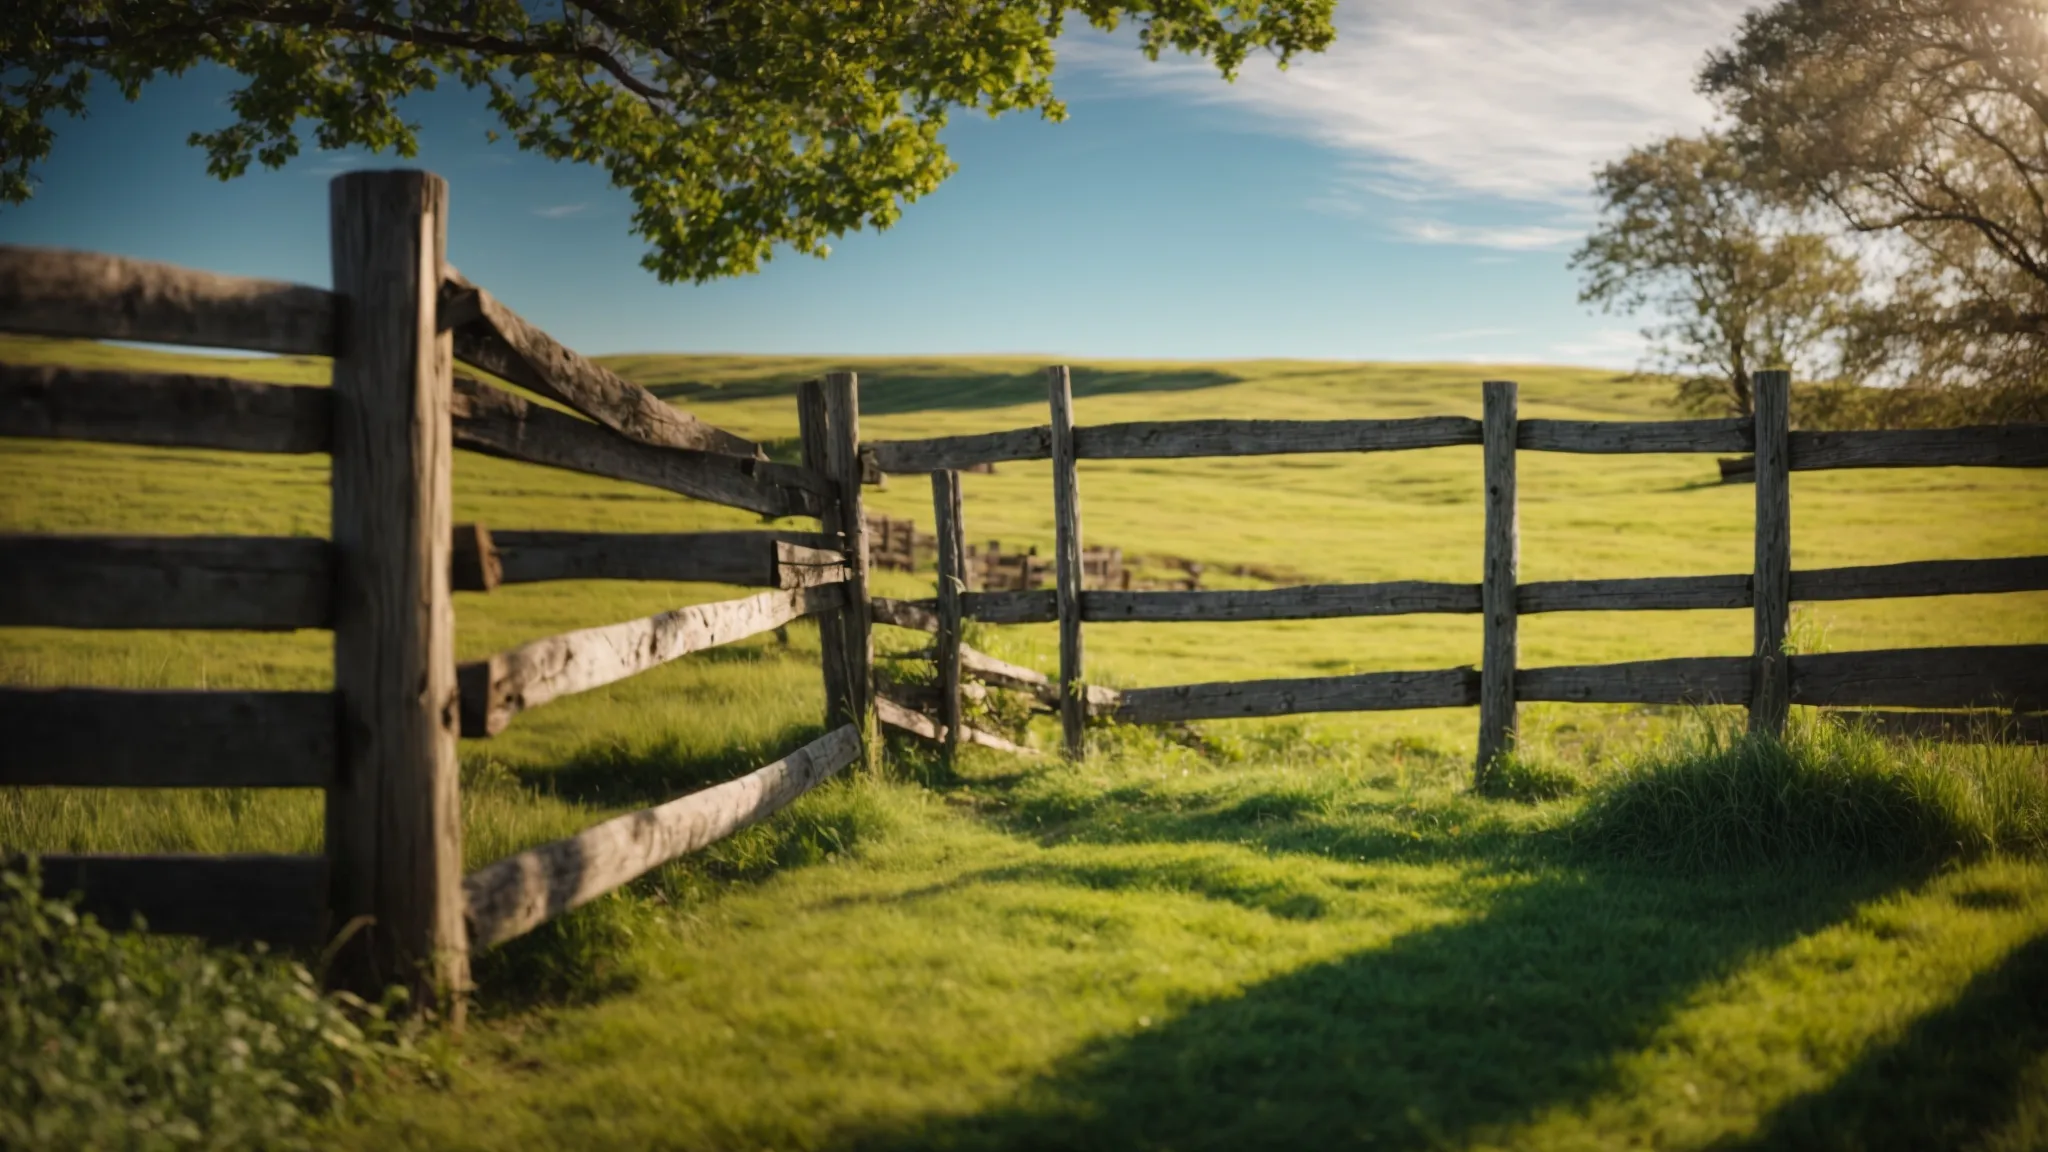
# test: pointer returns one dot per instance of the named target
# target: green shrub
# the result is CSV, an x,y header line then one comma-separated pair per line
x,y
119,1041
1713,798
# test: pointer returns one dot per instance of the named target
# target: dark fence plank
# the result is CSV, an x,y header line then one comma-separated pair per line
x,y
1363,692
1306,602
1922,578
249,582
750,559
1688,680
1617,436
1991,676
165,409
1173,439
176,738
55,292
1652,593
1989,446
280,899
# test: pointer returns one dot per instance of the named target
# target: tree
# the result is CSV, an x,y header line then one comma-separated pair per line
x,y
735,125
1923,124
1734,284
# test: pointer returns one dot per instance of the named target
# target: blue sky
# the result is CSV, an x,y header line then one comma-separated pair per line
x,y
1412,195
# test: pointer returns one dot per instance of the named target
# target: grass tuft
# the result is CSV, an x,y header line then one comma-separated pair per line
x,y
1521,775
1711,798
114,1040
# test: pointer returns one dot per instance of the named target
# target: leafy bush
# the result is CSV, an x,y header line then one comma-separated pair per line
x,y
1713,798
119,1041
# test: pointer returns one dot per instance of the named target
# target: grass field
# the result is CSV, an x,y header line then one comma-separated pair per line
x,y
1298,933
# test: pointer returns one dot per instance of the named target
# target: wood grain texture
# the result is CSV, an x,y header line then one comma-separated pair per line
x,y
1501,564
226,899
847,520
56,292
1184,438
522,892
214,582
130,738
749,559
1305,602
496,339
1067,574
394,828
1922,578
1641,594
1619,436
1687,680
1362,692
814,429
164,409
1950,727
1771,580
958,453
1040,607
498,423
1991,446
952,585
1990,676
497,689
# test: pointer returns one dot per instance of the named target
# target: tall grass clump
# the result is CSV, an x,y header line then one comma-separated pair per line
x,y
1712,798
118,1041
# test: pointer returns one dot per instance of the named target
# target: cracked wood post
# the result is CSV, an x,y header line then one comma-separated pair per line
x,y
1771,685
1066,504
952,543
855,702
1497,588
394,833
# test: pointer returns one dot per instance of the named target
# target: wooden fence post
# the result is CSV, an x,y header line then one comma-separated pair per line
x,y
1066,504
952,582
1771,689
1497,589
856,703
394,830
813,431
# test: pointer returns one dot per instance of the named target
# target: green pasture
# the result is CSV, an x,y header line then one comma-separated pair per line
x,y
1286,934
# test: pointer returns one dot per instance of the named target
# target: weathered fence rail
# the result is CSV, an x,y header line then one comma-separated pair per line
x,y
1766,682
388,886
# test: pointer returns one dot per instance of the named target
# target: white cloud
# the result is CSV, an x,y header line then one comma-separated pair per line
x,y
1464,334
1507,237
559,211
1517,99
1606,347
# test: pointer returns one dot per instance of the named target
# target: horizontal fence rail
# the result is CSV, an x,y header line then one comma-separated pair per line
x,y
247,582
1361,692
492,337
905,714
497,689
524,891
2004,446
164,409
498,423
749,559
225,898
55,292
167,738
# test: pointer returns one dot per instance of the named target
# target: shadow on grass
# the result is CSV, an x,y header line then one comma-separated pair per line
x,y
615,774
888,390
1445,1035
1957,1076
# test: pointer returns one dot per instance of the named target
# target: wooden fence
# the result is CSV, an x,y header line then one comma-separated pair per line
x,y
2007,677
387,887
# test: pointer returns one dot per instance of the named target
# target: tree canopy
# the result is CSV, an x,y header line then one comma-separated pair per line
x,y
1922,124
735,125
1735,284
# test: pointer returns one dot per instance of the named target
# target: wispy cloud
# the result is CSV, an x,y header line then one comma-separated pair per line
x,y
1464,335
1507,237
560,211
1518,99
